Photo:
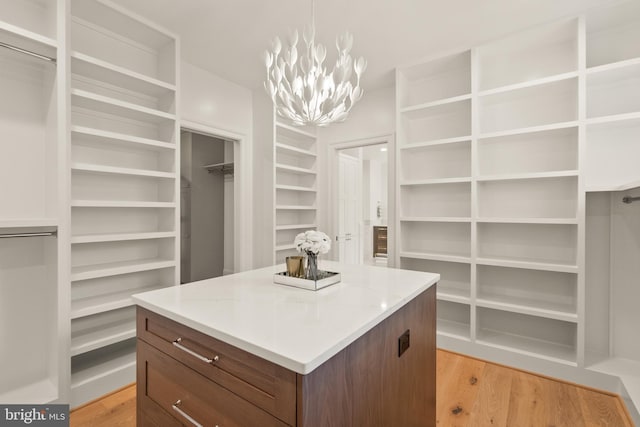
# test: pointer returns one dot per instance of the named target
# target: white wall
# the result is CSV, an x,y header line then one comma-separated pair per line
x,y
185,206
228,212
207,209
211,103
377,191
625,271
373,116
210,100
263,183
374,190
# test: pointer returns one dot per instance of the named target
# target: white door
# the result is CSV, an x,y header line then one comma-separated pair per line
x,y
348,238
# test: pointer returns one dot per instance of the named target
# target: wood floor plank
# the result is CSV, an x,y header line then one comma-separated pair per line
x,y
527,404
601,410
563,407
491,407
457,386
114,410
470,393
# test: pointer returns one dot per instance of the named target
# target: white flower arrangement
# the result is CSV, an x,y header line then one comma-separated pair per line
x,y
312,241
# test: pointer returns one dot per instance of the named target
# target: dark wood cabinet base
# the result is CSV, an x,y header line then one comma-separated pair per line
x,y
369,384
385,378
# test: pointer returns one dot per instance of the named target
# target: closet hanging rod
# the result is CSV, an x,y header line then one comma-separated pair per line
x,y
627,199
27,52
42,234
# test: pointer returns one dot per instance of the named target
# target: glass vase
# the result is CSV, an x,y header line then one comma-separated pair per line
x,y
312,266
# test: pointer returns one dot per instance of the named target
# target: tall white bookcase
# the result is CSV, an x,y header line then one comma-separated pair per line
x,y
612,174
295,187
490,190
498,146
124,186
33,203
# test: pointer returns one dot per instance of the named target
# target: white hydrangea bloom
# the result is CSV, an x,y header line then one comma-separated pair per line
x,y
312,241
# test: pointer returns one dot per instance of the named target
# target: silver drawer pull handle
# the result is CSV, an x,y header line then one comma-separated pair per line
x,y
184,414
177,342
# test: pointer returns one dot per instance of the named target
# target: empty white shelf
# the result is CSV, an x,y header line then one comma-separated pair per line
x,y
520,131
524,345
86,272
295,188
86,167
291,148
295,208
531,265
285,247
119,237
453,329
436,142
613,66
28,223
533,308
434,219
124,360
96,381
112,106
568,221
101,337
613,118
295,130
529,83
120,138
103,329
106,302
38,392
453,295
295,169
107,72
522,176
436,256
28,40
437,103
622,187
295,227
120,204
436,181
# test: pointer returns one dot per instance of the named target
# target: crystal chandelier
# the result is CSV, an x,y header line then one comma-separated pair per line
x,y
302,89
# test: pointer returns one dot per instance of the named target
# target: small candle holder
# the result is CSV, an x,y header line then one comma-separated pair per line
x,y
295,266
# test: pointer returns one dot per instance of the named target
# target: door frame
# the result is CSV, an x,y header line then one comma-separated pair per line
x,y
358,206
242,227
332,156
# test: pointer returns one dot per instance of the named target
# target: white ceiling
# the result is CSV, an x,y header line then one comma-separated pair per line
x,y
227,37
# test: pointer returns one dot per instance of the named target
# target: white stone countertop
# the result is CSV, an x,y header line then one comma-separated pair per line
x,y
295,328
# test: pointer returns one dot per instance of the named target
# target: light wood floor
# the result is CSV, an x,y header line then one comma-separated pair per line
x,y
470,393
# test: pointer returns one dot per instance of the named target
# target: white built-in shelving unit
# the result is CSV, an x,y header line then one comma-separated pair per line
x,y
612,149
488,145
124,186
613,94
514,158
33,203
295,187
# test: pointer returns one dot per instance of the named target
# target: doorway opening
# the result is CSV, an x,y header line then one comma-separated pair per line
x,y
207,191
361,203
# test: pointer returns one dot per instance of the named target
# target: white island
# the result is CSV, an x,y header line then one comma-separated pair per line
x,y
242,350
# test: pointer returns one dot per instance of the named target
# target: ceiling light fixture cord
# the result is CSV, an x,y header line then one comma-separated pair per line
x,y
300,86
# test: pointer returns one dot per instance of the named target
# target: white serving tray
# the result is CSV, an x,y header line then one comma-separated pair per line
x,y
328,278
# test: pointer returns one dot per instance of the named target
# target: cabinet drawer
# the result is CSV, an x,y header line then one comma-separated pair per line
x,y
190,397
265,384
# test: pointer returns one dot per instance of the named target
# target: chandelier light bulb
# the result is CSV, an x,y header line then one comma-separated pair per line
x,y
301,87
